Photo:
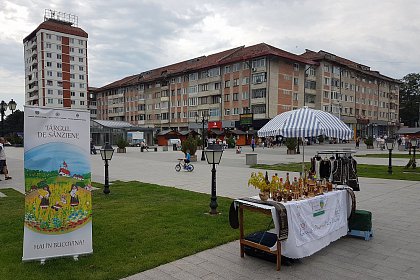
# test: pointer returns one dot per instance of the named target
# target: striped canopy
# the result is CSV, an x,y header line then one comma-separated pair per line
x,y
306,122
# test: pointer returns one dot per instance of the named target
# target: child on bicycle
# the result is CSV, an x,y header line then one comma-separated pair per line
x,y
187,159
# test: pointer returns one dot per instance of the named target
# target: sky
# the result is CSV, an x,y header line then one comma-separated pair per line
x,y
127,37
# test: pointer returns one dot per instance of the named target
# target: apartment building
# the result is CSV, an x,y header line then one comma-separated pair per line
x,y
260,79
56,67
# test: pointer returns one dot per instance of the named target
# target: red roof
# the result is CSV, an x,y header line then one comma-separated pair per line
x,y
58,26
205,62
64,171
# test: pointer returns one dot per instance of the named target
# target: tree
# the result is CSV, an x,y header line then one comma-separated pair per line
x,y
410,99
14,122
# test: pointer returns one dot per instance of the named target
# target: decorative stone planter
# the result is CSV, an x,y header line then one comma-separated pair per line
x,y
123,150
369,147
291,152
194,158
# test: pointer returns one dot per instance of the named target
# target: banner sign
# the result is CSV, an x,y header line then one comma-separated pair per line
x,y
318,217
246,119
58,203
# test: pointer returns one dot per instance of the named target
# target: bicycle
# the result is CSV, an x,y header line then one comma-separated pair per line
x,y
182,165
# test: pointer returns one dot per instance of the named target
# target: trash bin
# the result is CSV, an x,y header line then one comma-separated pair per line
x,y
174,147
251,159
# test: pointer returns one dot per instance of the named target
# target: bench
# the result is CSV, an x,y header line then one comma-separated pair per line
x,y
147,148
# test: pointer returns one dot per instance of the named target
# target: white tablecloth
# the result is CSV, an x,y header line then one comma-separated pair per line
x,y
313,223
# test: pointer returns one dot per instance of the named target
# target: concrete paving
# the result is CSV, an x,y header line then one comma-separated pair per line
x,y
393,253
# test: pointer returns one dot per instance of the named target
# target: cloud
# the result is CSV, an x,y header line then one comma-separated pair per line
x,y
128,37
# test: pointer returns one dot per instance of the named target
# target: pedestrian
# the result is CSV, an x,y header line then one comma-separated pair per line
x,y
357,142
3,165
253,143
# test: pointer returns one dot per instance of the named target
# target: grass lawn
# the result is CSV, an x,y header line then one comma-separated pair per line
x,y
363,170
387,155
136,227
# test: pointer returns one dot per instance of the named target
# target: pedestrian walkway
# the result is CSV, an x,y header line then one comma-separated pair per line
x,y
393,253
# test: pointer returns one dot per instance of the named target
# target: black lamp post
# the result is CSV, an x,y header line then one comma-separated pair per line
x,y
390,142
3,109
413,142
106,153
213,155
204,119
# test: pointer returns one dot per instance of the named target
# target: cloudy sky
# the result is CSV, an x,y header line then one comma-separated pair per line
x,y
130,36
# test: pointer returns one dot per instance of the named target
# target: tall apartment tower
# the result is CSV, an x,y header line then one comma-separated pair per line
x,y
56,68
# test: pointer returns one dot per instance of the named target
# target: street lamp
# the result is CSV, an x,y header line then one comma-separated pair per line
x,y
106,153
413,142
3,107
213,155
204,119
390,146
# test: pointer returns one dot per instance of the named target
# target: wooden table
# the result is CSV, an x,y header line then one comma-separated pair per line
x,y
251,244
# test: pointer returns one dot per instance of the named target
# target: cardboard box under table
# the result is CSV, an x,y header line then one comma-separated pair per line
x,y
313,224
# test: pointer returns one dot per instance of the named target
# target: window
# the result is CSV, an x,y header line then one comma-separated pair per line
x,y
245,80
49,73
50,101
326,94
213,72
228,69
226,97
295,96
48,36
258,109
326,68
73,102
227,83
82,94
71,49
258,63
259,93
80,59
58,38
59,47
71,76
193,89
204,87
227,112
60,92
71,40
193,76
235,96
82,102
49,55
235,82
81,77
216,86
81,51
245,95
48,46
82,85
296,66
59,83
49,64
259,78
50,91
59,65
81,68
81,42
236,67
58,56
235,111
296,81
327,81
59,74
49,83
72,84
60,101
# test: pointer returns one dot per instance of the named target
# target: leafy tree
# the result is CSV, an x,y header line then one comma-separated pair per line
x,y
410,99
13,122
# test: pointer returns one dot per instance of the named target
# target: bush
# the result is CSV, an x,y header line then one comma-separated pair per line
x,y
189,144
321,138
291,143
122,143
369,141
230,142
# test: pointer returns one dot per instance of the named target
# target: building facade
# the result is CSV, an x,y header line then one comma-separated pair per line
x,y
260,79
56,66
